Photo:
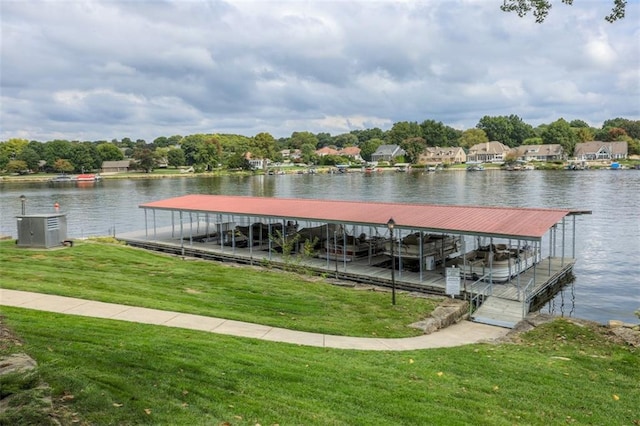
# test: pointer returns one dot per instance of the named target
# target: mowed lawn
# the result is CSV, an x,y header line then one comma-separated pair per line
x,y
120,274
107,372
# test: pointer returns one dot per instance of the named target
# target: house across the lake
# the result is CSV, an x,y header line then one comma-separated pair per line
x,y
548,152
115,166
488,152
598,150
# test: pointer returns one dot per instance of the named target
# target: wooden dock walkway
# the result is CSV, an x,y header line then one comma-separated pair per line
x,y
502,304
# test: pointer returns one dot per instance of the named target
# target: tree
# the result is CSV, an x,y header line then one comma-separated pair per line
x,y
403,130
265,145
345,139
308,151
13,147
584,134
561,133
632,127
413,148
17,166
434,133
30,157
109,152
56,149
471,137
145,159
541,8
82,157
161,142
300,138
510,130
62,166
175,157
369,147
368,134
238,161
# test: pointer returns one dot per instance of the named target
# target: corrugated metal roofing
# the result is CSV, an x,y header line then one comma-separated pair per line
x,y
524,223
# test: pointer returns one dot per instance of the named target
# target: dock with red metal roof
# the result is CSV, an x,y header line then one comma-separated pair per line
x,y
217,227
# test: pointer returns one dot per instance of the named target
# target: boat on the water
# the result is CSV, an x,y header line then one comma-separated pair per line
x,y
475,168
88,177
430,249
496,262
63,178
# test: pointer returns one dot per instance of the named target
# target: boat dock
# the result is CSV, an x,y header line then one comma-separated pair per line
x,y
305,236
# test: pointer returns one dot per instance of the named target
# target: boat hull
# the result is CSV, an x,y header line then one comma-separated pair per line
x,y
499,265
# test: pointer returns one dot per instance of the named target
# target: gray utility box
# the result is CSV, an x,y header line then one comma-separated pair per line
x,y
42,230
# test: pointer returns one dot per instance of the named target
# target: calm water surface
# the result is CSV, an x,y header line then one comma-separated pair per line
x,y
607,273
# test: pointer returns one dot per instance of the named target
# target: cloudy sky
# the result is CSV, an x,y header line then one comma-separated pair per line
x,y
98,70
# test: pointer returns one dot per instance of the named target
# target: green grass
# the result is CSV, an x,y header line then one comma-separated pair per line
x,y
112,372
120,274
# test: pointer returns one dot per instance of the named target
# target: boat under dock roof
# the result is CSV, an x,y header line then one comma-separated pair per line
x,y
506,222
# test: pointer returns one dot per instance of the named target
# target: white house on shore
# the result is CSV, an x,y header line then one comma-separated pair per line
x,y
488,152
598,150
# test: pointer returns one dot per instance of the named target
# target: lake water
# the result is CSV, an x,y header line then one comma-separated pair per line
x,y
607,271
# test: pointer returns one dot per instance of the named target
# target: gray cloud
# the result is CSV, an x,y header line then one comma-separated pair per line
x,y
92,70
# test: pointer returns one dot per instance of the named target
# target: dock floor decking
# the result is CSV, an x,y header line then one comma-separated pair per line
x,y
503,303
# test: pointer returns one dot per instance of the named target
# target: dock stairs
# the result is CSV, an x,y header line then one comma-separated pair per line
x,y
499,312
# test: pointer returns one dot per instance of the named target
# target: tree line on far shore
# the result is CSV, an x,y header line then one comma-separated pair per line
x,y
213,151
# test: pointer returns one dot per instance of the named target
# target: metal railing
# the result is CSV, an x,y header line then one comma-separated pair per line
x,y
527,295
477,297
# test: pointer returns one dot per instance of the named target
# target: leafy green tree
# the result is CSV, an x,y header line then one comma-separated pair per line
x,y
300,138
308,153
584,134
510,130
345,139
413,148
109,152
161,142
540,8
238,161
435,133
174,140
561,133
265,145
30,157
13,147
471,137
368,134
324,139
145,159
62,165
82,158
368,147
578,124
57,149
402,131
175,157
17,166
632,127
533,141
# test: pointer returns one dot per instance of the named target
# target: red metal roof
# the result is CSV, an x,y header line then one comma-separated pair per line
x,y
526,223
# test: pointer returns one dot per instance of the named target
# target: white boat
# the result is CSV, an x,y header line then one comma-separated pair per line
x,y
503,262
433,249
62,179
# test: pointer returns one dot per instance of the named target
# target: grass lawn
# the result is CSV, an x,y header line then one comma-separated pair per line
x,y
105,372
120,274
111,372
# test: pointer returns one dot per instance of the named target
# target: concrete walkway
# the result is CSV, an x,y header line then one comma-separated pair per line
x,y
463,333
